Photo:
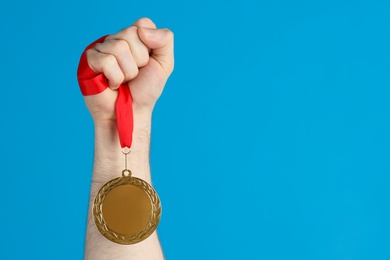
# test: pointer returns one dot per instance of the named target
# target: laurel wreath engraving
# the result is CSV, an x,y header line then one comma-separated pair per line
x,y
122,238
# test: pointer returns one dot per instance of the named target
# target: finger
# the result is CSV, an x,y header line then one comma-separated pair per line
x,y
145,23
139,51
130,35
161,43
106,64
121,50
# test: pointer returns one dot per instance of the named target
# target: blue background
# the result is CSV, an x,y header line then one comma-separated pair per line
x,y
270,141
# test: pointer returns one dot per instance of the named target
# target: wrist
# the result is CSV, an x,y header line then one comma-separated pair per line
x,y
142,118
109,160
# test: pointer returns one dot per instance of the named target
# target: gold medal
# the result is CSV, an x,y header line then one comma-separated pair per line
x,y
127,209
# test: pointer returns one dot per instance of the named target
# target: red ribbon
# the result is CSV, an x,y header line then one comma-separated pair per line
x,y
92,83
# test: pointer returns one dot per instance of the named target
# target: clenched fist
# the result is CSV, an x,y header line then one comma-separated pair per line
x,y
141,56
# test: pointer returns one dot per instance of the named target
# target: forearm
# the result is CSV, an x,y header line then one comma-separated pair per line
x,y
108,164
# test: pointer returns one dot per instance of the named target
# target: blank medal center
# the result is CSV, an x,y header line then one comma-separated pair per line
x,y
126,209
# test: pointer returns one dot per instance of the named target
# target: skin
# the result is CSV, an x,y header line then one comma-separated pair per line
x,y
142,56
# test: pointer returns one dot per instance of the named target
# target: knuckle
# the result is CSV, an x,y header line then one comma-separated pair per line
x,y
120,45
117,80
143,62
91,56
108,60
131,74
145,22
169,33
130,30
121,78
143,59
113,86
90,53
96,60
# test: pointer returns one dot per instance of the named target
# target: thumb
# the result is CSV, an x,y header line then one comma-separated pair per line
x,y
160,41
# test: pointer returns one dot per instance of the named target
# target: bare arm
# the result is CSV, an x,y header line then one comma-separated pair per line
x,y
145,64
108,164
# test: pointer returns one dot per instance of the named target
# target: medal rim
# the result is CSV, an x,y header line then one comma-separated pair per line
x,y
127,239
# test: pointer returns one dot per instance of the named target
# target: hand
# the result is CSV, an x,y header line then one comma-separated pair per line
x,y
140,55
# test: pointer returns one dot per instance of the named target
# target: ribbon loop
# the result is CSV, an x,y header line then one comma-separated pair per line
x,y
92,83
